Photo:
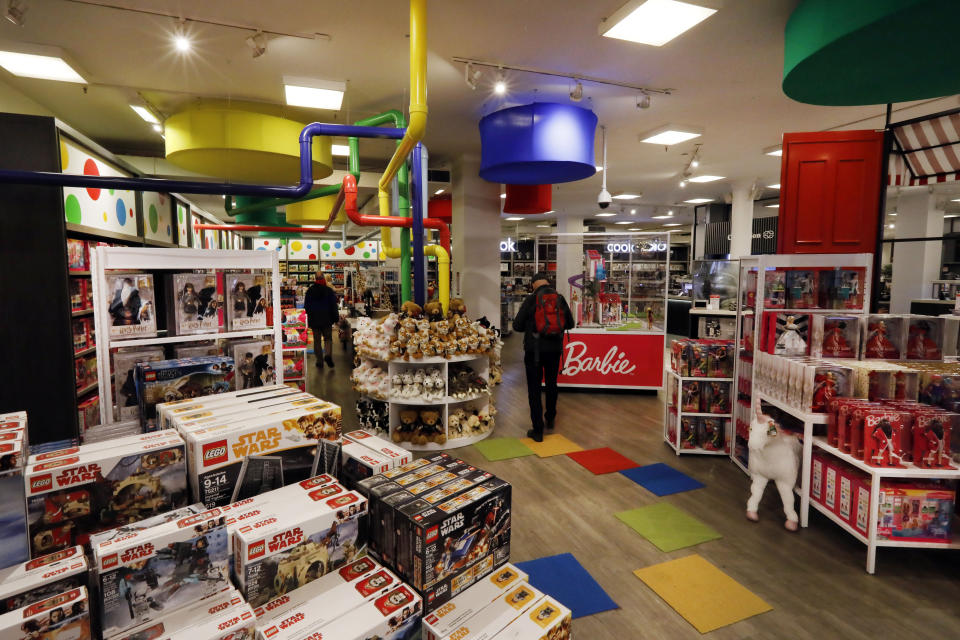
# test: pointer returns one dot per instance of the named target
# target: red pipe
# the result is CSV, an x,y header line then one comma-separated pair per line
x,y
254,227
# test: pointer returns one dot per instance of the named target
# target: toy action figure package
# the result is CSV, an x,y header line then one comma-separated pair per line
x,y
65,616
247,295
125,382
915,512
77,255
450,616
398,456
255,364
774,289
716,399
712,432
229,458
822,383
152,572
679,357
882,437
185,618
835,336
394,615
699,356
358,463
168,380
40,578
547,619
493,618
931,440
195,303
801,289
720,364
689,433
168,411
885,337
280,553
925,337
131,306
690,397
293,363
70,498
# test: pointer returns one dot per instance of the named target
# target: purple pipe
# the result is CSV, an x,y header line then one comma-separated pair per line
x,y
416,230
214,188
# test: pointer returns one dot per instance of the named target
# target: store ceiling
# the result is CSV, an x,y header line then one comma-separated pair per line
x,y
726,73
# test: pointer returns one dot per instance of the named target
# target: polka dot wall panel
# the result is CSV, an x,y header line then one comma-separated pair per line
x,y
106,209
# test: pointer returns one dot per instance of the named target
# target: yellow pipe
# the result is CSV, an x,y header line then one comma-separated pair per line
x,y
443,269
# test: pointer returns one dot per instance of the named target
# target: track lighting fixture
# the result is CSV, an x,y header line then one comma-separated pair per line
x,y
16,10
577,94
258,44
643,100
500,84
471,76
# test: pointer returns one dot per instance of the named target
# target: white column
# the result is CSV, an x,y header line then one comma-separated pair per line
x,y
569,251
741,219
915,264
476,240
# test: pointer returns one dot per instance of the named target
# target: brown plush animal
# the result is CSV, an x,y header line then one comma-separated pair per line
x,y
457,307
410,309
431,427
408,424
433,310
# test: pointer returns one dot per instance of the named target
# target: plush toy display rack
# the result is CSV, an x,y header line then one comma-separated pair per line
x,y
182,260
446,405
668,405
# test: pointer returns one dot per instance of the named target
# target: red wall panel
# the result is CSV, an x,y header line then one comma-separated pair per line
x,y
830,189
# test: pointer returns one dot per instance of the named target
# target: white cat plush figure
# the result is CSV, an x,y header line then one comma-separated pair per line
x,y
774,455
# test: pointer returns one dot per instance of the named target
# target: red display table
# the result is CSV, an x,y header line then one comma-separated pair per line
x,y
603,359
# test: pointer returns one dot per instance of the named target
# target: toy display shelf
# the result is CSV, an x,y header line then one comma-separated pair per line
x,y
668,405
876,475
443,405
151,260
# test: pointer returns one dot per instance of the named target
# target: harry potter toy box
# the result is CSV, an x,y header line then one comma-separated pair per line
x,y
41,578
125,380
452,615
304,620
65,615
255,363
154,571
195,303
131,306
168,380
71,497
247,295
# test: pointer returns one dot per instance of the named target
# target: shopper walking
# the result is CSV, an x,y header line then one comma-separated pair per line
x,y
320,303
543,318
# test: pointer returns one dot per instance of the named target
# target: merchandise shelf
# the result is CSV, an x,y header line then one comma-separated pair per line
x,y
452,443
195,337
87,351
743,467
909,471
87,389
812,418
839,521
700,450
702,311
669,405
78,273
700,378
82,312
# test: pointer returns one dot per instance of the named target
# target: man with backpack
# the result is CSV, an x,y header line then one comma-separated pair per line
x,y
320,303
543,319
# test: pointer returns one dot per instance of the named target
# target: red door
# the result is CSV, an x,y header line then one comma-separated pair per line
x,y
830,191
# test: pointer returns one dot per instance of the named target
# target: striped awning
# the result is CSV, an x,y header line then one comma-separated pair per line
x,y
930,149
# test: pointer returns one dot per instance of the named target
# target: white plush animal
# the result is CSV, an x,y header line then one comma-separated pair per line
x,y
774,455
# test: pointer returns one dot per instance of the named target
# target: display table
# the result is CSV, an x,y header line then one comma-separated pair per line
x,y
613,359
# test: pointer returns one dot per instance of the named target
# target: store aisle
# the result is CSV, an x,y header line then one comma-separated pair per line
x,y
815,580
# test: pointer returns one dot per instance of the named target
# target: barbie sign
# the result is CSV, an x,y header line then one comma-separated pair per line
x,y
612,359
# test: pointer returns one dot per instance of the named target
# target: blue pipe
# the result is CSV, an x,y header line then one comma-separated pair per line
x,y
416,230
214,188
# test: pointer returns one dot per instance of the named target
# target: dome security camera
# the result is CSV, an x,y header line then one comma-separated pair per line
x,y
604,199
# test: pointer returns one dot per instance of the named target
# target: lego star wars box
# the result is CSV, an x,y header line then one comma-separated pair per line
x,y
448,618
168,380
255,363
65,616
217,455
280,553
168,411
359,462
125,381
235,623
153,439
345,575
131,306
150,572
195,303
394,615
41,578
163,518
237,411
69,498
398,456
185,618
493,618
303,620
547,619
247,295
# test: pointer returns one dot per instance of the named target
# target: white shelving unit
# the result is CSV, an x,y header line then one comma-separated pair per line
x,y
138,259
481,365
668,406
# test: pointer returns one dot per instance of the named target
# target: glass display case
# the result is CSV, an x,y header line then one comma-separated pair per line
x,y
715,278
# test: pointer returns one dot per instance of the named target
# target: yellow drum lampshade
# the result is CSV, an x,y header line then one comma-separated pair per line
x,y
313,212
241,142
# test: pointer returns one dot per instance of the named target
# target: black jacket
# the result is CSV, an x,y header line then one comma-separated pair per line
x,y
320,303
526,322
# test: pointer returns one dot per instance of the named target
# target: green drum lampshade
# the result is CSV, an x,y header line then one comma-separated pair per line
x,y
859,52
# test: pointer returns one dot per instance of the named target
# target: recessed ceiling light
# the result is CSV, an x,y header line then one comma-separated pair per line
x,y
145,113
705,178
543,226
698,200
634,229
502,196
654,22
660,217
775,150
953,215
28,65
514,219
894,213
955,200
606,215
158,128
627,196
672,224
773,206
670,134
340,149
633,212
623,222
598,168
891,226
312,93
438,192
773,186
182,43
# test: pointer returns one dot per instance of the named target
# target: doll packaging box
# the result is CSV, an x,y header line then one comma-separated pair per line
x,y
161,569
774,289
835,336
916,512
447,619
125,382
885,337
390,615
69,498
882,438
547,619
168,380
254,363
38,579
492,619
931,338
821,383
64,615
247,296
131,306
801,289
790,333
195,303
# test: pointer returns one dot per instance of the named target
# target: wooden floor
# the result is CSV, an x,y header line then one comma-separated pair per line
x,y
814,580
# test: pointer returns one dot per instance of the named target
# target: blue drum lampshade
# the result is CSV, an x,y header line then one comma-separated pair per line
x,y
538,143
